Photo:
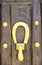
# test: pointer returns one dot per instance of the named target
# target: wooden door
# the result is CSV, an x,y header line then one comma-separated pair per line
x,y
29,13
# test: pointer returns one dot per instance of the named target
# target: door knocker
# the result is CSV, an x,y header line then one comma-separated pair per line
x,y
20,47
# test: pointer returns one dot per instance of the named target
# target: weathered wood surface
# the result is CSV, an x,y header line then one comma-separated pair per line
x,y
15,13
36,33
0,34
17,1
6,35
21,13
41,31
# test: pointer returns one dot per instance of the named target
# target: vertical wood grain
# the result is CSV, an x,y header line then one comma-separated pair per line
x,y
6,35
21,13
41,29
0,33
36,33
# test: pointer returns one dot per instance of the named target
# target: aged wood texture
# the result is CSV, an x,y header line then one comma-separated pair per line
x,y
41,29
18,0
36,33
21,13
6,35
0,34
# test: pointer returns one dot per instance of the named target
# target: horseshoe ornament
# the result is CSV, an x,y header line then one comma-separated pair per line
x,y
20,47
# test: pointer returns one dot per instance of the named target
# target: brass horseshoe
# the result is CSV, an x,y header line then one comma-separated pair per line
x,y
20,47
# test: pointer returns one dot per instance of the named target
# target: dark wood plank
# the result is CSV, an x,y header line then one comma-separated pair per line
x,y
36,33
0,34
6,35
41,30
16,0
21,13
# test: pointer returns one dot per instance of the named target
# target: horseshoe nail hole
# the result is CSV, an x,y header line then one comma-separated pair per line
x,y
5,45
37,44
5,24
36,23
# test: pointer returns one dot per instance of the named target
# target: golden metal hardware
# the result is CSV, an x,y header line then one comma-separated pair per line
x,y
36,23
5,24
20,47
5,45
37,44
